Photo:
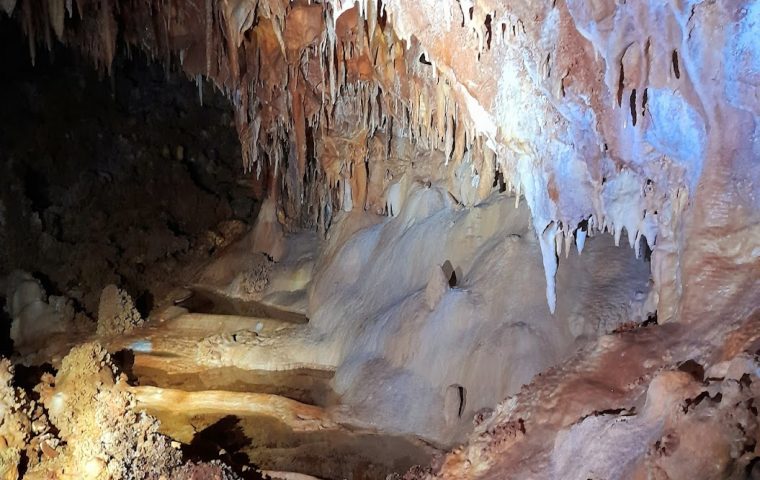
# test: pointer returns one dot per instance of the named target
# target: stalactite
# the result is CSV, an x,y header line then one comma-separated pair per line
x,y
27,24
360,76
57,11
46,26
8,6
209,24
331,53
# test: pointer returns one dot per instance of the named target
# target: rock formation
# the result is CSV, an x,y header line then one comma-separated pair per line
x,y
117,313
15,424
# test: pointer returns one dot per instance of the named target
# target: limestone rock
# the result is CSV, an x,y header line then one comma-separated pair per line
x,y
15,424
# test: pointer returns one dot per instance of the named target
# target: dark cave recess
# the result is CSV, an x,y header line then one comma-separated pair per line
x,y
126,179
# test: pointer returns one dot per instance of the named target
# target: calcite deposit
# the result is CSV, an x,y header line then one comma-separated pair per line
x,y
116,312
102,435
15,424
524,233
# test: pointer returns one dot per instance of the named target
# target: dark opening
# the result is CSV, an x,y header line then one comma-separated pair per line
x,y
633,107
6,344
382,15
488,31
752,470
27,377
462,399
621,82
116,180
451,273
455,402
676,67
124,360
224,440
644,248
498,181
693,368
644,100
453,279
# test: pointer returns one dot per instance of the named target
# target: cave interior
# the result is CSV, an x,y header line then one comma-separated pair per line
x,y
333,239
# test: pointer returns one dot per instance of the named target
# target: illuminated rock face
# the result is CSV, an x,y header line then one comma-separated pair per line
x,y
603,115
609,112
606,115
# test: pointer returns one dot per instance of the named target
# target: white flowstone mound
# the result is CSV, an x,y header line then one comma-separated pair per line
x,y
34,315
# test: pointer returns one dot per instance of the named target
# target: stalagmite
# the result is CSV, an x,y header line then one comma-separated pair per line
x,y
393,200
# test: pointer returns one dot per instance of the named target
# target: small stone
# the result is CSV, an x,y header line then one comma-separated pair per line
x,y
94,467
48,451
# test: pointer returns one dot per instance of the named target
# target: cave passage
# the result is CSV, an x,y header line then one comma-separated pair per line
x,y
125,179
379,240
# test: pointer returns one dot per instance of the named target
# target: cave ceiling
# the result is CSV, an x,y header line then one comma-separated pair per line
x,y
604,116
